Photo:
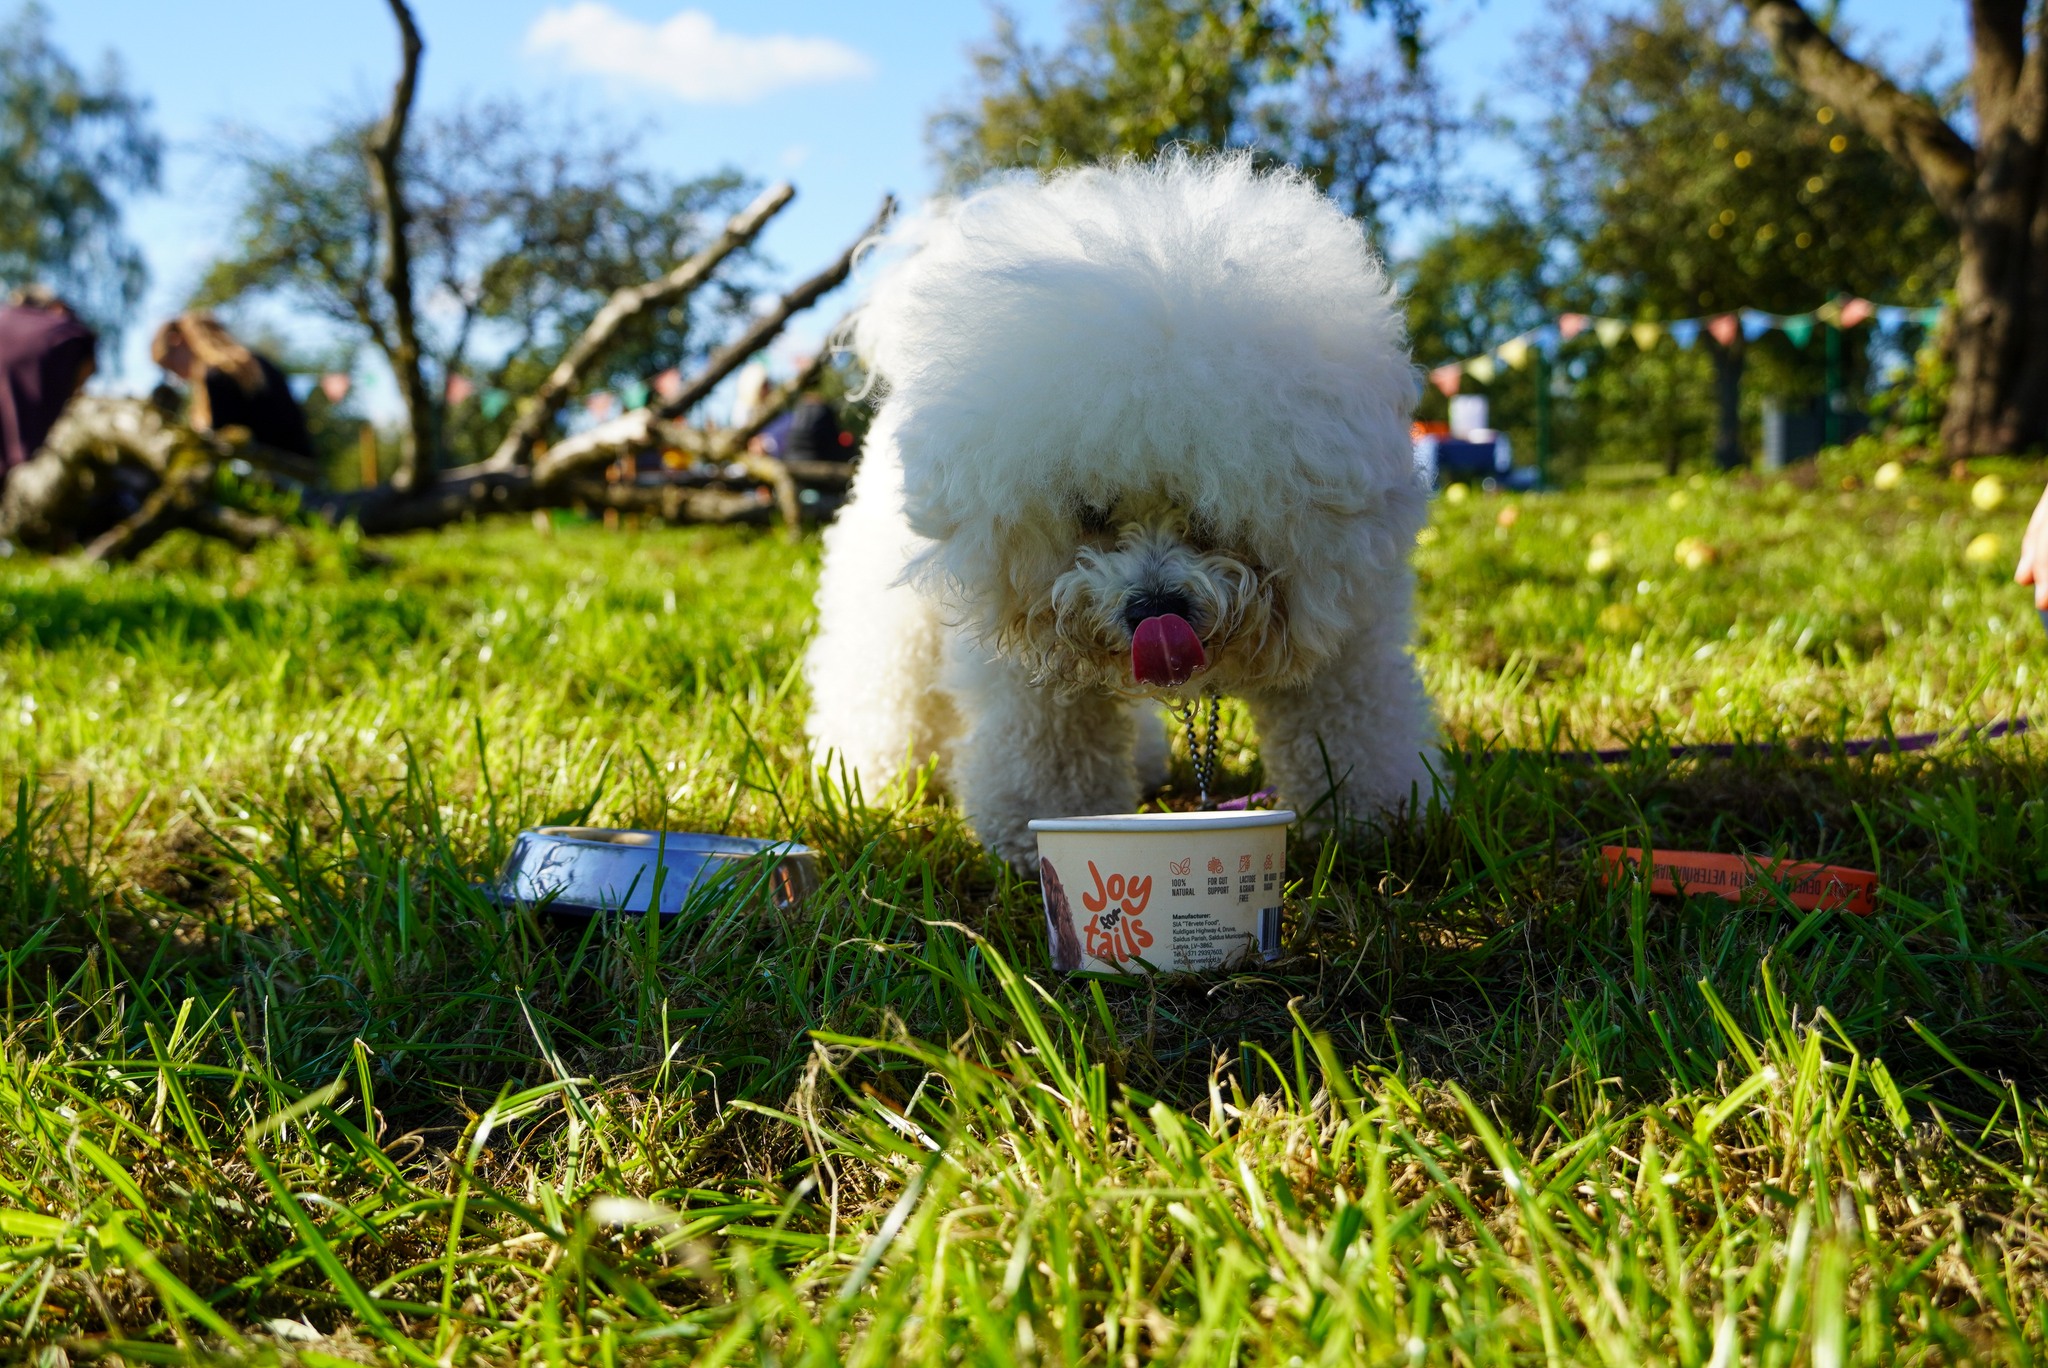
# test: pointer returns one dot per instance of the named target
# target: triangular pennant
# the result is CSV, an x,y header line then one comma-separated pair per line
x,y
301,386
1448,378
635,395
1930,316
1724,328
1482,369
1755,323
1829,312
459,388
1645,334
1515,351
669,383
1684,331
1609,330
1571,325
600,405
493,403
1547,338
335,385
1798,327
1893,316
1856,311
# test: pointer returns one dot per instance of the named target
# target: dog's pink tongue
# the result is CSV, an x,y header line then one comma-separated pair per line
x,y
1165,651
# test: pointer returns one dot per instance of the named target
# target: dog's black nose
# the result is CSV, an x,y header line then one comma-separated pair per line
x,y
1151,603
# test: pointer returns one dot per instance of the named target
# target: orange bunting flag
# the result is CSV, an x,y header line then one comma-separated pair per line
x,y
600,405
669,383
460,387
1447,378
1744,878
1571,325
1856,311
1725,329
335,385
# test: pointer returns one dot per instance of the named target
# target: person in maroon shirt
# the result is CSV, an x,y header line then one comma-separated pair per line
x,y
46,356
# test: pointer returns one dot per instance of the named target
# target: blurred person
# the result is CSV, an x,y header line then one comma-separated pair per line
x,y
808,431
231,385
750,390
46,356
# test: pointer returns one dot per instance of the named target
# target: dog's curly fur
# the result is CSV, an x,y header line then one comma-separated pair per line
x,y
1183,378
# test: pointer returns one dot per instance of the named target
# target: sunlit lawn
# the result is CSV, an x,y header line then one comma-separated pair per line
x,y
279,1081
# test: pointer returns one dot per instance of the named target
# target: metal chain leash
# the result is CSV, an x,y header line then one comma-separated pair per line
x,y
1201,752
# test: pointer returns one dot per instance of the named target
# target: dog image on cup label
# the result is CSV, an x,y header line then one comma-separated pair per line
x,y
1059,919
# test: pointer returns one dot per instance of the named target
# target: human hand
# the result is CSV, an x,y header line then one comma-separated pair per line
x,y
2033,566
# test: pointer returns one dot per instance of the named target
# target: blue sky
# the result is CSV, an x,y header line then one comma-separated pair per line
x,y
833,96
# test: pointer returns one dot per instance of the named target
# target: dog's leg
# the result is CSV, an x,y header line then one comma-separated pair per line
x,y
1027,752
874,667
1362,723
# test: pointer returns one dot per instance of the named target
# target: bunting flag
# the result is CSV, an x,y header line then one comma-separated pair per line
x,y
301,386
634,395
459,388
600,405
669,383
335,385
1845,311
493,403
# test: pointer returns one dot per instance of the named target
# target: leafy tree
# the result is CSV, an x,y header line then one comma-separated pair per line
x,y
1994,190
69,145
1693,176
518,232
1133,77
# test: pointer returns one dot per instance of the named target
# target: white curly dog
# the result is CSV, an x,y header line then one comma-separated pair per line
x,y
1143,436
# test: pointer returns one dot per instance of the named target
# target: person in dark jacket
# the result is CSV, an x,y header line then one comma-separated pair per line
x,y
46,356
809,431
231,385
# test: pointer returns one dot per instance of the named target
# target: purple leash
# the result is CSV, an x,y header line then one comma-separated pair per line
x,y
1725,750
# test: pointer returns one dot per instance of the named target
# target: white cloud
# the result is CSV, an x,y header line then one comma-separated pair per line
x,y
688,55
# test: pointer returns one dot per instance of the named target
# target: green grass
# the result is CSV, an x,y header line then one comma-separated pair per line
x,y
277,1083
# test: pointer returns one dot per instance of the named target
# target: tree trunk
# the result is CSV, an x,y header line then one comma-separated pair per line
x,y
1728,363
1998,335
385,152
1992,190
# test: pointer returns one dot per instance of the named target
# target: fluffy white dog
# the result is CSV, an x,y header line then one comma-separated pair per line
x,y
1143,436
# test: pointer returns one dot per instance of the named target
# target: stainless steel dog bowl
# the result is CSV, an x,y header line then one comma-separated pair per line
x,y
585,871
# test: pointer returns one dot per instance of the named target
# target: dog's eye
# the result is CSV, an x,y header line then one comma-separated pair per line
x,y
1093,517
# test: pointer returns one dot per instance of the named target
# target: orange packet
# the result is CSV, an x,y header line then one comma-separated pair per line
x,y
1733,876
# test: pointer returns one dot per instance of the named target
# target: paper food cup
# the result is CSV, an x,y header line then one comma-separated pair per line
x,y
1162,890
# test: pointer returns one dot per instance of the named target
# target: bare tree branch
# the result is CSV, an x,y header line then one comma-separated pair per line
x,y
1908,126
385,150
621,309
568,457
764,329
